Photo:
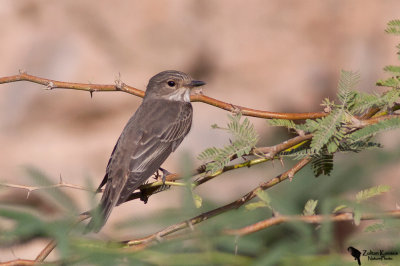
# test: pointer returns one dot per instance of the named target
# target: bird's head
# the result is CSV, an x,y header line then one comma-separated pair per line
x,y
172,85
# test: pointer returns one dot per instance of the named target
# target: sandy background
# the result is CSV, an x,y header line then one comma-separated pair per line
x,y
281,55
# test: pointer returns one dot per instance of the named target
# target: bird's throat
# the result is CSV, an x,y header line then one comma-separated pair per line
x,y
182,95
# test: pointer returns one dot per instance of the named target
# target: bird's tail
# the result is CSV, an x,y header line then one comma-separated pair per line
x,y
101,213
358,260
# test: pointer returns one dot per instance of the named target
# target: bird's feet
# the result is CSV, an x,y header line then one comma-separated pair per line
x,y
165,173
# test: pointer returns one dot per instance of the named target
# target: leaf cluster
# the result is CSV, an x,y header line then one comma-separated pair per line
x,y
244,140
336,131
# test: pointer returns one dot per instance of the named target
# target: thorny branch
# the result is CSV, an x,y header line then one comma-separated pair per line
x,y
312,219
33,188
120,86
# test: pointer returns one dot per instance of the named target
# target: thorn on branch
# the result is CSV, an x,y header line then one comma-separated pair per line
x,y
119,85
190,225
159,238
50,85
22,71
235,109
281,160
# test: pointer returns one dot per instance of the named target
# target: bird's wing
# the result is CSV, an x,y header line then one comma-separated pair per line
x,y
155,145
105,178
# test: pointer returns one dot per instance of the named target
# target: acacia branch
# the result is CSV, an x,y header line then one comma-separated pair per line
x,y
233,205
312,219
120,86
18,262
33,188
203,176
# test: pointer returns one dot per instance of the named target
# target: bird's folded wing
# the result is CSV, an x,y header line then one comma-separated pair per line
x,y
146,155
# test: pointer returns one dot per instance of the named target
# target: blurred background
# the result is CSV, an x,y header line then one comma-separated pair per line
x,y
280,55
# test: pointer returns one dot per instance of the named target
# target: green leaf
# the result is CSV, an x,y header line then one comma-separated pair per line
x,y
309,208
265,201
392,69
339,208
330,128
309,126
393,82
244,140
256,205
198,201
371,192
393,27
369,131
322,164
263,195
357,215
375,227
282,123
365,101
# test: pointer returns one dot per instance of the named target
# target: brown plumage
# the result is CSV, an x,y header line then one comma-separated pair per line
x,y
155,130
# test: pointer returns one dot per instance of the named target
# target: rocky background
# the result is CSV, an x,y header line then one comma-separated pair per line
x,y
281,55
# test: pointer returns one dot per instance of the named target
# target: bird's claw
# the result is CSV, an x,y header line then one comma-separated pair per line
x,y
165,173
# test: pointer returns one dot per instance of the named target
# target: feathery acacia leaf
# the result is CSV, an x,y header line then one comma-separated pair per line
x,y
309,208
392,69
366,101
322,164
393,82
371,192
371,130
244,140
282,123
330,130
393,27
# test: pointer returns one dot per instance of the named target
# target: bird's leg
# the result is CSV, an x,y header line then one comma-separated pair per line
x,y
165,173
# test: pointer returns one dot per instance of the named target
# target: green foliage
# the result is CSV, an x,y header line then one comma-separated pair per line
x,y
332,133
392,69
282,123
366,101
322,164
309,207
371,192
393,82
331,130
364,195
265,201
244,140
393,27
339,208
367,132
375,227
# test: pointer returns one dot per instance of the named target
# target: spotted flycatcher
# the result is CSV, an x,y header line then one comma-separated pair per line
x,y
155,130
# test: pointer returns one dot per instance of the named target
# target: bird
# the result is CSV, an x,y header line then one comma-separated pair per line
x,y
355,253
155,130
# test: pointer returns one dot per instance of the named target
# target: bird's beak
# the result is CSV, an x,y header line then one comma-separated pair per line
x,y
196,83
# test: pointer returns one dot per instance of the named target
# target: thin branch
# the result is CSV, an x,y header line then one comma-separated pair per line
x,y
233,205
120,86
18,262
312,219
33,188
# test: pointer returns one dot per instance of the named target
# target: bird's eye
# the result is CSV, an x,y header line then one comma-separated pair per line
x,y
171,83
